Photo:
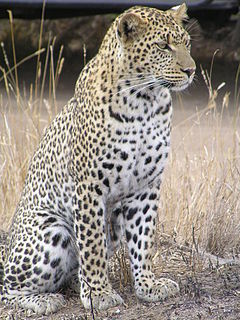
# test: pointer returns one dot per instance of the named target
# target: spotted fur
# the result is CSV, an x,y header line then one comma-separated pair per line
x,y
97,172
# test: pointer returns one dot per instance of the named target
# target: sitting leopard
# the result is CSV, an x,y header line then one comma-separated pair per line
x,y
97,172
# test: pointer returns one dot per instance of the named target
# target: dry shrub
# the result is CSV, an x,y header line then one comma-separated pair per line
x,y
200,202
19,135
23,116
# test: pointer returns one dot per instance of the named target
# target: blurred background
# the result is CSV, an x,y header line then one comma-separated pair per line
x,y
76,28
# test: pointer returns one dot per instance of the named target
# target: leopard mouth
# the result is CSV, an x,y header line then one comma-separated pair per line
x,y
180,85
181,82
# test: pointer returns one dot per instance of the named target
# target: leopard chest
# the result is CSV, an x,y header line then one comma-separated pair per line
x,y
137,153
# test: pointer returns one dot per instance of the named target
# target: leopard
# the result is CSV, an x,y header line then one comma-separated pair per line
x,y
94,179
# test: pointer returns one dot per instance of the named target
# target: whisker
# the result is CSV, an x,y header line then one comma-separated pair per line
x,y
133,86
162,82
145,87
135,78
192,23
136,73
159,82
141,82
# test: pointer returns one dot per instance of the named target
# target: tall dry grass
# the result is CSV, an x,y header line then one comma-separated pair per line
x,y
200,204
23,116
200,201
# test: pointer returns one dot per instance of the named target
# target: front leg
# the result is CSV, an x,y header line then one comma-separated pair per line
x,y
140,222
90,232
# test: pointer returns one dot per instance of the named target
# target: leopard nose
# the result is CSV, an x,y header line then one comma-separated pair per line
x,y
188,71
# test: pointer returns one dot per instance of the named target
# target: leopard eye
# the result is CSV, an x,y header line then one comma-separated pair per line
x,y
163,46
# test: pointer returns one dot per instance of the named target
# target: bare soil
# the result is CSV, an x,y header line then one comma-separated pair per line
x,y
209,289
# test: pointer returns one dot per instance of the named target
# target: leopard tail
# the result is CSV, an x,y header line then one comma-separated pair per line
x,y
3,248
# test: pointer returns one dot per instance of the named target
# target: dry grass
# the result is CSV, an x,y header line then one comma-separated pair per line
x,y
200,202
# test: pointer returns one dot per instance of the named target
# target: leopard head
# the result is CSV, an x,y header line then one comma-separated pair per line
x,y
155,47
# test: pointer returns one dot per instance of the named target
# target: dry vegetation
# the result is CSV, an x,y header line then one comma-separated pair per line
x,y
198,241
200,196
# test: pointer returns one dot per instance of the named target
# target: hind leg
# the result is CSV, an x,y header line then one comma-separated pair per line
x,y
40,260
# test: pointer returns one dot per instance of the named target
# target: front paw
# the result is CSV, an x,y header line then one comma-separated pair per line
x,y
152,290
102,300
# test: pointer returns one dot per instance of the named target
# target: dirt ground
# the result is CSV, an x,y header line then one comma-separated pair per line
x,y
209,289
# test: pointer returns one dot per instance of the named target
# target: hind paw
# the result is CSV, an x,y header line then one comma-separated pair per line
x,y
41,304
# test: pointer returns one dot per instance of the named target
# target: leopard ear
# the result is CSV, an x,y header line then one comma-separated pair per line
x,y
130,27
179,13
